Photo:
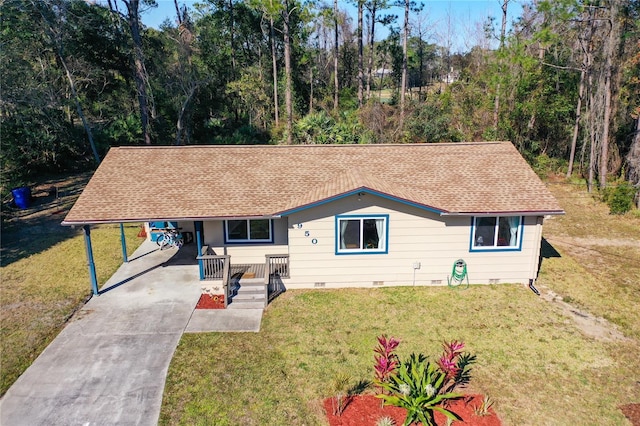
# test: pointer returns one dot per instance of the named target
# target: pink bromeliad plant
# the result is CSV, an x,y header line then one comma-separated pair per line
x,y
419,386
455,364
386,360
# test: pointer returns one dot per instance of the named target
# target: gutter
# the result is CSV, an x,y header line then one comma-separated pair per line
x,y
509,213
165,219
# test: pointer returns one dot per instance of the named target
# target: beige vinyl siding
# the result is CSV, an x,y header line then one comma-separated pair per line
x,y
246,253
414,236
187,226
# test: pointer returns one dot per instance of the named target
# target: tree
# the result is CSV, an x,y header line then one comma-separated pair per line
x,y
53,20
227,102
61,71
139,70
271,10
336,84
630,92
360,4
610,52
424,52
188,73
288,92
374,7
405,45
503,30
408,6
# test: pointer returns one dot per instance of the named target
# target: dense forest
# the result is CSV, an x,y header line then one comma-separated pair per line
x,y
563,84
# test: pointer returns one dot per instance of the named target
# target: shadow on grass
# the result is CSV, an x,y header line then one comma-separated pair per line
x,y
37,228
547,251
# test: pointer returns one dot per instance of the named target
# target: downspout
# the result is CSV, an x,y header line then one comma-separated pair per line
x,y
536,256
533,288
123,241
90,263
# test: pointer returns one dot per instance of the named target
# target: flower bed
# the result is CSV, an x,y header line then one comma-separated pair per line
x,y
210,301
367,410
411,391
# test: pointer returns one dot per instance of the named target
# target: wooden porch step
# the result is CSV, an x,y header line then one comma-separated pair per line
x,y
249,294
251,282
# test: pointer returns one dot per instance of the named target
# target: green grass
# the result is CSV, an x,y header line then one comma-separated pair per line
x,y
532,360
599,269
40,292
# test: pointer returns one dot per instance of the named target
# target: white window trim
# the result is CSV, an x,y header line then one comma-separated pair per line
x,y
384,239
495,247
248,240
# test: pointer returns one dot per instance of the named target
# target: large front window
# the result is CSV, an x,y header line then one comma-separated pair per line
x,y
361,234
496,232
248,231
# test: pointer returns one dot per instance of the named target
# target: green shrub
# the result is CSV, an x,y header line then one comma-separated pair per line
x,y
619,198
322,128
543,165
431,122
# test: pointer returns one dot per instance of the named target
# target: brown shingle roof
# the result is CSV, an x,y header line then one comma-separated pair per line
x,y
199,182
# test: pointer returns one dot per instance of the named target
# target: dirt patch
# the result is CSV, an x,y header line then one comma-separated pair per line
x,y
590,325
611,242
367,410
632,412
79,314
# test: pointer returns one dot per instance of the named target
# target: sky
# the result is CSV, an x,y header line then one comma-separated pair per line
x,y
460,21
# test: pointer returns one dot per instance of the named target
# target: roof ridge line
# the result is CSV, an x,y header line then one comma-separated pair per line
x,y
254,146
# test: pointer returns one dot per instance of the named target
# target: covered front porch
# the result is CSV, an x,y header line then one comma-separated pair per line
x,y
248,285
244,284
165,283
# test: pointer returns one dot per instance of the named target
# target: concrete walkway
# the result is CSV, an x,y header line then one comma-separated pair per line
x,y
224,320
108,365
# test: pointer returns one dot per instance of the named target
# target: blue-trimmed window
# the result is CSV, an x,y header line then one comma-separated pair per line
x,y
362,234
496,233
248,231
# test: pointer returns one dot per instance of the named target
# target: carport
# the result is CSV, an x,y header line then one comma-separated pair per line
x,y
93,280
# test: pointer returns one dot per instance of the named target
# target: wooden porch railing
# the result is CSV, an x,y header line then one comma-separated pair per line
x,y
216,268
278,264
277,267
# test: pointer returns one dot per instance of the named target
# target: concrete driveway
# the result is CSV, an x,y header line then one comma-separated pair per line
x,y
108,365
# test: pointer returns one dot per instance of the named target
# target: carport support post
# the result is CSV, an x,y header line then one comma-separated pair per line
x,y
90,262
198,226
123,241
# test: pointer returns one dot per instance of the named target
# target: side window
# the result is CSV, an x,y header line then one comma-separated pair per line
x,y
496,233
361,234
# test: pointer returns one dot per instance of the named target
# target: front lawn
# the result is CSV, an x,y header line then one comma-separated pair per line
x,y
532,359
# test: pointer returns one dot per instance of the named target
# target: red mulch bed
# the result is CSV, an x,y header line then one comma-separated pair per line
x,y
632,412
208,301
366,410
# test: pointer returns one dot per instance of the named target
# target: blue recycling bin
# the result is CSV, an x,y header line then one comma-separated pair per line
x,y
22,197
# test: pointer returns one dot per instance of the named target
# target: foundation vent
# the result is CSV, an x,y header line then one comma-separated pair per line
x,y
378,283
436,282
494,281
319,285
